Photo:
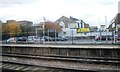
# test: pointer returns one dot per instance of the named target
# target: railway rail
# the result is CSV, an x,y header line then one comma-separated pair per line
x,y
65,62
68,58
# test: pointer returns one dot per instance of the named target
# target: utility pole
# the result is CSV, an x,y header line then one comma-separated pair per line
x,y
44,28
106,29
100,30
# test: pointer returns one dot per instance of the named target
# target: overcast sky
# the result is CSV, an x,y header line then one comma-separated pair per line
x,y
90,11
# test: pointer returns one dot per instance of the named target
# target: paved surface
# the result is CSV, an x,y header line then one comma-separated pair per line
x,y
78,41
62,46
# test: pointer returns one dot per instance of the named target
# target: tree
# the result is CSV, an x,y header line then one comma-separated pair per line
x,y
52,27
26,30
12,28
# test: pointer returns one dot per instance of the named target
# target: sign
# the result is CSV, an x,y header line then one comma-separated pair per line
x,y
83,30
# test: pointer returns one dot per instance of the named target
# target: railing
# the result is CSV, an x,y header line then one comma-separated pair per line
x,y
71,38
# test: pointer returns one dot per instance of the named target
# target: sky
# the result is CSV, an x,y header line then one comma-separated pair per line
x,y
92,12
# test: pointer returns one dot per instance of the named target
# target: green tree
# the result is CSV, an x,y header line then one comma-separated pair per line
x,y
26,30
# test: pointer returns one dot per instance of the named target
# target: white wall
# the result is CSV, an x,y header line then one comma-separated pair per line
x,y
69,32
73,25
75,34
62,24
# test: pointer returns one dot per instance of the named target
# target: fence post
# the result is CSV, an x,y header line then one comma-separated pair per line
x,y
100,37
48,36
55,35
72,36
106,38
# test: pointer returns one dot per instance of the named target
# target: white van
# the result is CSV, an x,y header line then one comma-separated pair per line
x,y
34,39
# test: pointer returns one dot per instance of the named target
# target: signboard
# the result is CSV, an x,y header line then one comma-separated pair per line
x,y
79,30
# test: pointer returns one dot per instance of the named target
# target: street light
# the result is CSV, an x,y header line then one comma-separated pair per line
x,y
43,31
44,27
36,32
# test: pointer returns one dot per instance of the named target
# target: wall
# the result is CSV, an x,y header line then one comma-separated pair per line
x,y
79,52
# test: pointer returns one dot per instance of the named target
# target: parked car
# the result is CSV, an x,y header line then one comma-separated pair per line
x,y
46,38
21,40
4,41
59,38
97,38
11,40
62,38
117,38
34,39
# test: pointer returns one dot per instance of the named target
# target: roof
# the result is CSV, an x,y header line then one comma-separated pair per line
x,y
74,18
65,20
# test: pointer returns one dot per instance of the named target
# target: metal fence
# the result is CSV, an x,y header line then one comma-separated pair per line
x,y
60,38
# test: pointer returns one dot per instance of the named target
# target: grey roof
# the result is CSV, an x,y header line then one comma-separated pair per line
x,y
65,20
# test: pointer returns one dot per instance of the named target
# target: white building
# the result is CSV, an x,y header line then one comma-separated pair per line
x,y
70,26
102,28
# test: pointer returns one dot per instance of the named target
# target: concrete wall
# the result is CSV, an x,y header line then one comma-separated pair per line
x,y
80,52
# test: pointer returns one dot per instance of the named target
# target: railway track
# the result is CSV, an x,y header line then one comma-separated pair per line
x,y
65,62
70,58
9,66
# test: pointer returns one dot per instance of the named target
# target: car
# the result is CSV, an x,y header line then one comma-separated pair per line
x,y
46,38
4,41
34,39
117,39
21,39
59,38
62,38
97,38
11,40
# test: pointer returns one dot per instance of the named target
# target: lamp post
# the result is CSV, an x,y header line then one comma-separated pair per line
x,y
55,35
106,29
36,31
72,36
48,36
106,36
43,31
44,27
